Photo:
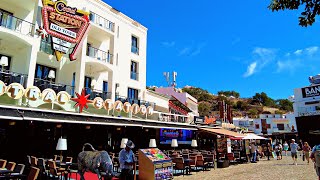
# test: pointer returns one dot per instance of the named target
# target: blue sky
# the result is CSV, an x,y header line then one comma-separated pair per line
x,y
226,45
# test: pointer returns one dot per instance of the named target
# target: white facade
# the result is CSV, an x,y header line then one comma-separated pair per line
x,y
244,123
274,123
106,58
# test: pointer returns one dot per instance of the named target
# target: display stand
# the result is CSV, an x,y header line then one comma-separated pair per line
x,y
154,164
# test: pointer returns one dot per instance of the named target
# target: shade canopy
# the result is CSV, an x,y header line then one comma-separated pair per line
x,y
174,143
62,144
253,136
194,143
152,143
123,142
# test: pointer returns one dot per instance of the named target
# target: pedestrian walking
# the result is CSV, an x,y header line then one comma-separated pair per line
x,y
276,149
285,147
268,150
294,149
306,151
300,149
280,150
253,150
315,156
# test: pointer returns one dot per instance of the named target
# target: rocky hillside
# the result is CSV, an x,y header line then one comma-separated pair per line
x,y
253,106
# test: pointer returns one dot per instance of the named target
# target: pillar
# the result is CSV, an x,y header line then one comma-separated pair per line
x,y
81,67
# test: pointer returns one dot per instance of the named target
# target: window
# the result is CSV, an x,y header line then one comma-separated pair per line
x,y
42,72
5,68
257,126
134,70
134,45
268,126
105,86
280,127
6,19
87,84
133,93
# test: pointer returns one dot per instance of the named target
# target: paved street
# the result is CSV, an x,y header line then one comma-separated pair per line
x,y
264,170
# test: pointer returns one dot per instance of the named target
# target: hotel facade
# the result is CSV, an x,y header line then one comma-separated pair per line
x,y
77,69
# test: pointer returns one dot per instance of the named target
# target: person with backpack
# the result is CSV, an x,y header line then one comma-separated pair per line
x,y
315,156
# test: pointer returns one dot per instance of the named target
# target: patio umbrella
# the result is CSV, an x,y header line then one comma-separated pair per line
x,y
253,136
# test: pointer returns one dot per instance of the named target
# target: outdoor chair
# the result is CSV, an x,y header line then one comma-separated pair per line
x,y
193,163
54,172
201,163
210,160
10,166
231,159
42,166
73,169
34,161
180,165
116,163
185,156
3,163
34,172
17,174
28,160
69,159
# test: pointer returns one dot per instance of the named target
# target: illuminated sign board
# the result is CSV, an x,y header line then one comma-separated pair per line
x,y
33,93
67,26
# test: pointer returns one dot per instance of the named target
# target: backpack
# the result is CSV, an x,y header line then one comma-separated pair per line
x,y
317,156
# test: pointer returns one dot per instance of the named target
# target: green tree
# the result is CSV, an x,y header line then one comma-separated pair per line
x,y
204,108
263,99
241,105
310,9
253,112
285,104
229,93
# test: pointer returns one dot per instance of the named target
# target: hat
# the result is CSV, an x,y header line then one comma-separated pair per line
x,y
130,144
293,140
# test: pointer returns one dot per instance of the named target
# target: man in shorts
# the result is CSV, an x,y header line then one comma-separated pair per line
x,y
315,156
294,149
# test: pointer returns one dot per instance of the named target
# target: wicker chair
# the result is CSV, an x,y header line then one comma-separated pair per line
x,y
3,163
10,166
34,172
201,163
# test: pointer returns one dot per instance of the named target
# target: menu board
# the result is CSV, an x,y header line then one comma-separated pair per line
x,y
155,155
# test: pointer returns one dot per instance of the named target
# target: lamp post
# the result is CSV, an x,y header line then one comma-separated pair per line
x,y
4,62
61,146
152,143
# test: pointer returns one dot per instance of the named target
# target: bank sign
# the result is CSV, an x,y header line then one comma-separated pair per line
x,y
67,26
311,91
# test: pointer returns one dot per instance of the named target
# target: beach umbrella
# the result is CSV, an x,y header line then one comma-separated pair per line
x,y
253,136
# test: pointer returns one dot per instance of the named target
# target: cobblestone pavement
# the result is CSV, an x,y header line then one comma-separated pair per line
x,y
263,169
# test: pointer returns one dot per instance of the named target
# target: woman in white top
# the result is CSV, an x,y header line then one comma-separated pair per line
x,y
285,147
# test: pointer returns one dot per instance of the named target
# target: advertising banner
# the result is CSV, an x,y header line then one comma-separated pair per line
x,y
310,91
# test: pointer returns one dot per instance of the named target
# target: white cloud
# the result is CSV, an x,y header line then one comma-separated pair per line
x,y
197,50
168,44
184,51
298,52
312,50
250,69
288,65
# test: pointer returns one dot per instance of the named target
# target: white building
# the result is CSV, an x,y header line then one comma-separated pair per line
x,y
244,122
270,124
111,62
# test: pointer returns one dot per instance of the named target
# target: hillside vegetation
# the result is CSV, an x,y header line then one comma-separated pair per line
x,y
252,107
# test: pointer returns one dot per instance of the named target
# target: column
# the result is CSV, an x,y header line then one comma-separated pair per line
x,y
32,63
81,67
111,85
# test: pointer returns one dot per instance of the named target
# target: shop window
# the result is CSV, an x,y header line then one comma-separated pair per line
x,y
42,72
257,126
280,127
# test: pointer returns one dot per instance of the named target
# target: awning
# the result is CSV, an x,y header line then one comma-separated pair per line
x,y
221,131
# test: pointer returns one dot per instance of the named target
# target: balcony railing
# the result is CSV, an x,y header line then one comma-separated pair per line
x,y
103,22
166,117
98,93
134,76
16,24
99,54
46,47
9,77
43,84
135,50
135,101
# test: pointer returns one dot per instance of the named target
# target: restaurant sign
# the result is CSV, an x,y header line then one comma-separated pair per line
x,y
67,26
311,91
33,93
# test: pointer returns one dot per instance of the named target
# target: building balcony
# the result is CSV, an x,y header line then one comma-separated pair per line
x,y
167,117
16,24
134,76
134,101
102,22
99,54
135,50
43,84
46,47
9,77
98,93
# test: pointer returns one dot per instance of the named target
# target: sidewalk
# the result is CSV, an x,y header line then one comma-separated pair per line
x,y
264,170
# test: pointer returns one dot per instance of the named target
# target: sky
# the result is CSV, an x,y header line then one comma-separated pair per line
x,y
226,45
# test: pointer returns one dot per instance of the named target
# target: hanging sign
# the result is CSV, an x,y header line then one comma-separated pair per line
x,y
67,25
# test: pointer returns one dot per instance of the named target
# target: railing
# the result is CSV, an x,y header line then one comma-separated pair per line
x,y
98,93
46,47
43,84
16,24
135,50
166,117
101,21
134,76
135,101
99,54
9,77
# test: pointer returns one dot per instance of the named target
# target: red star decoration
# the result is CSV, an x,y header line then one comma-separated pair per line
x,y
81,100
